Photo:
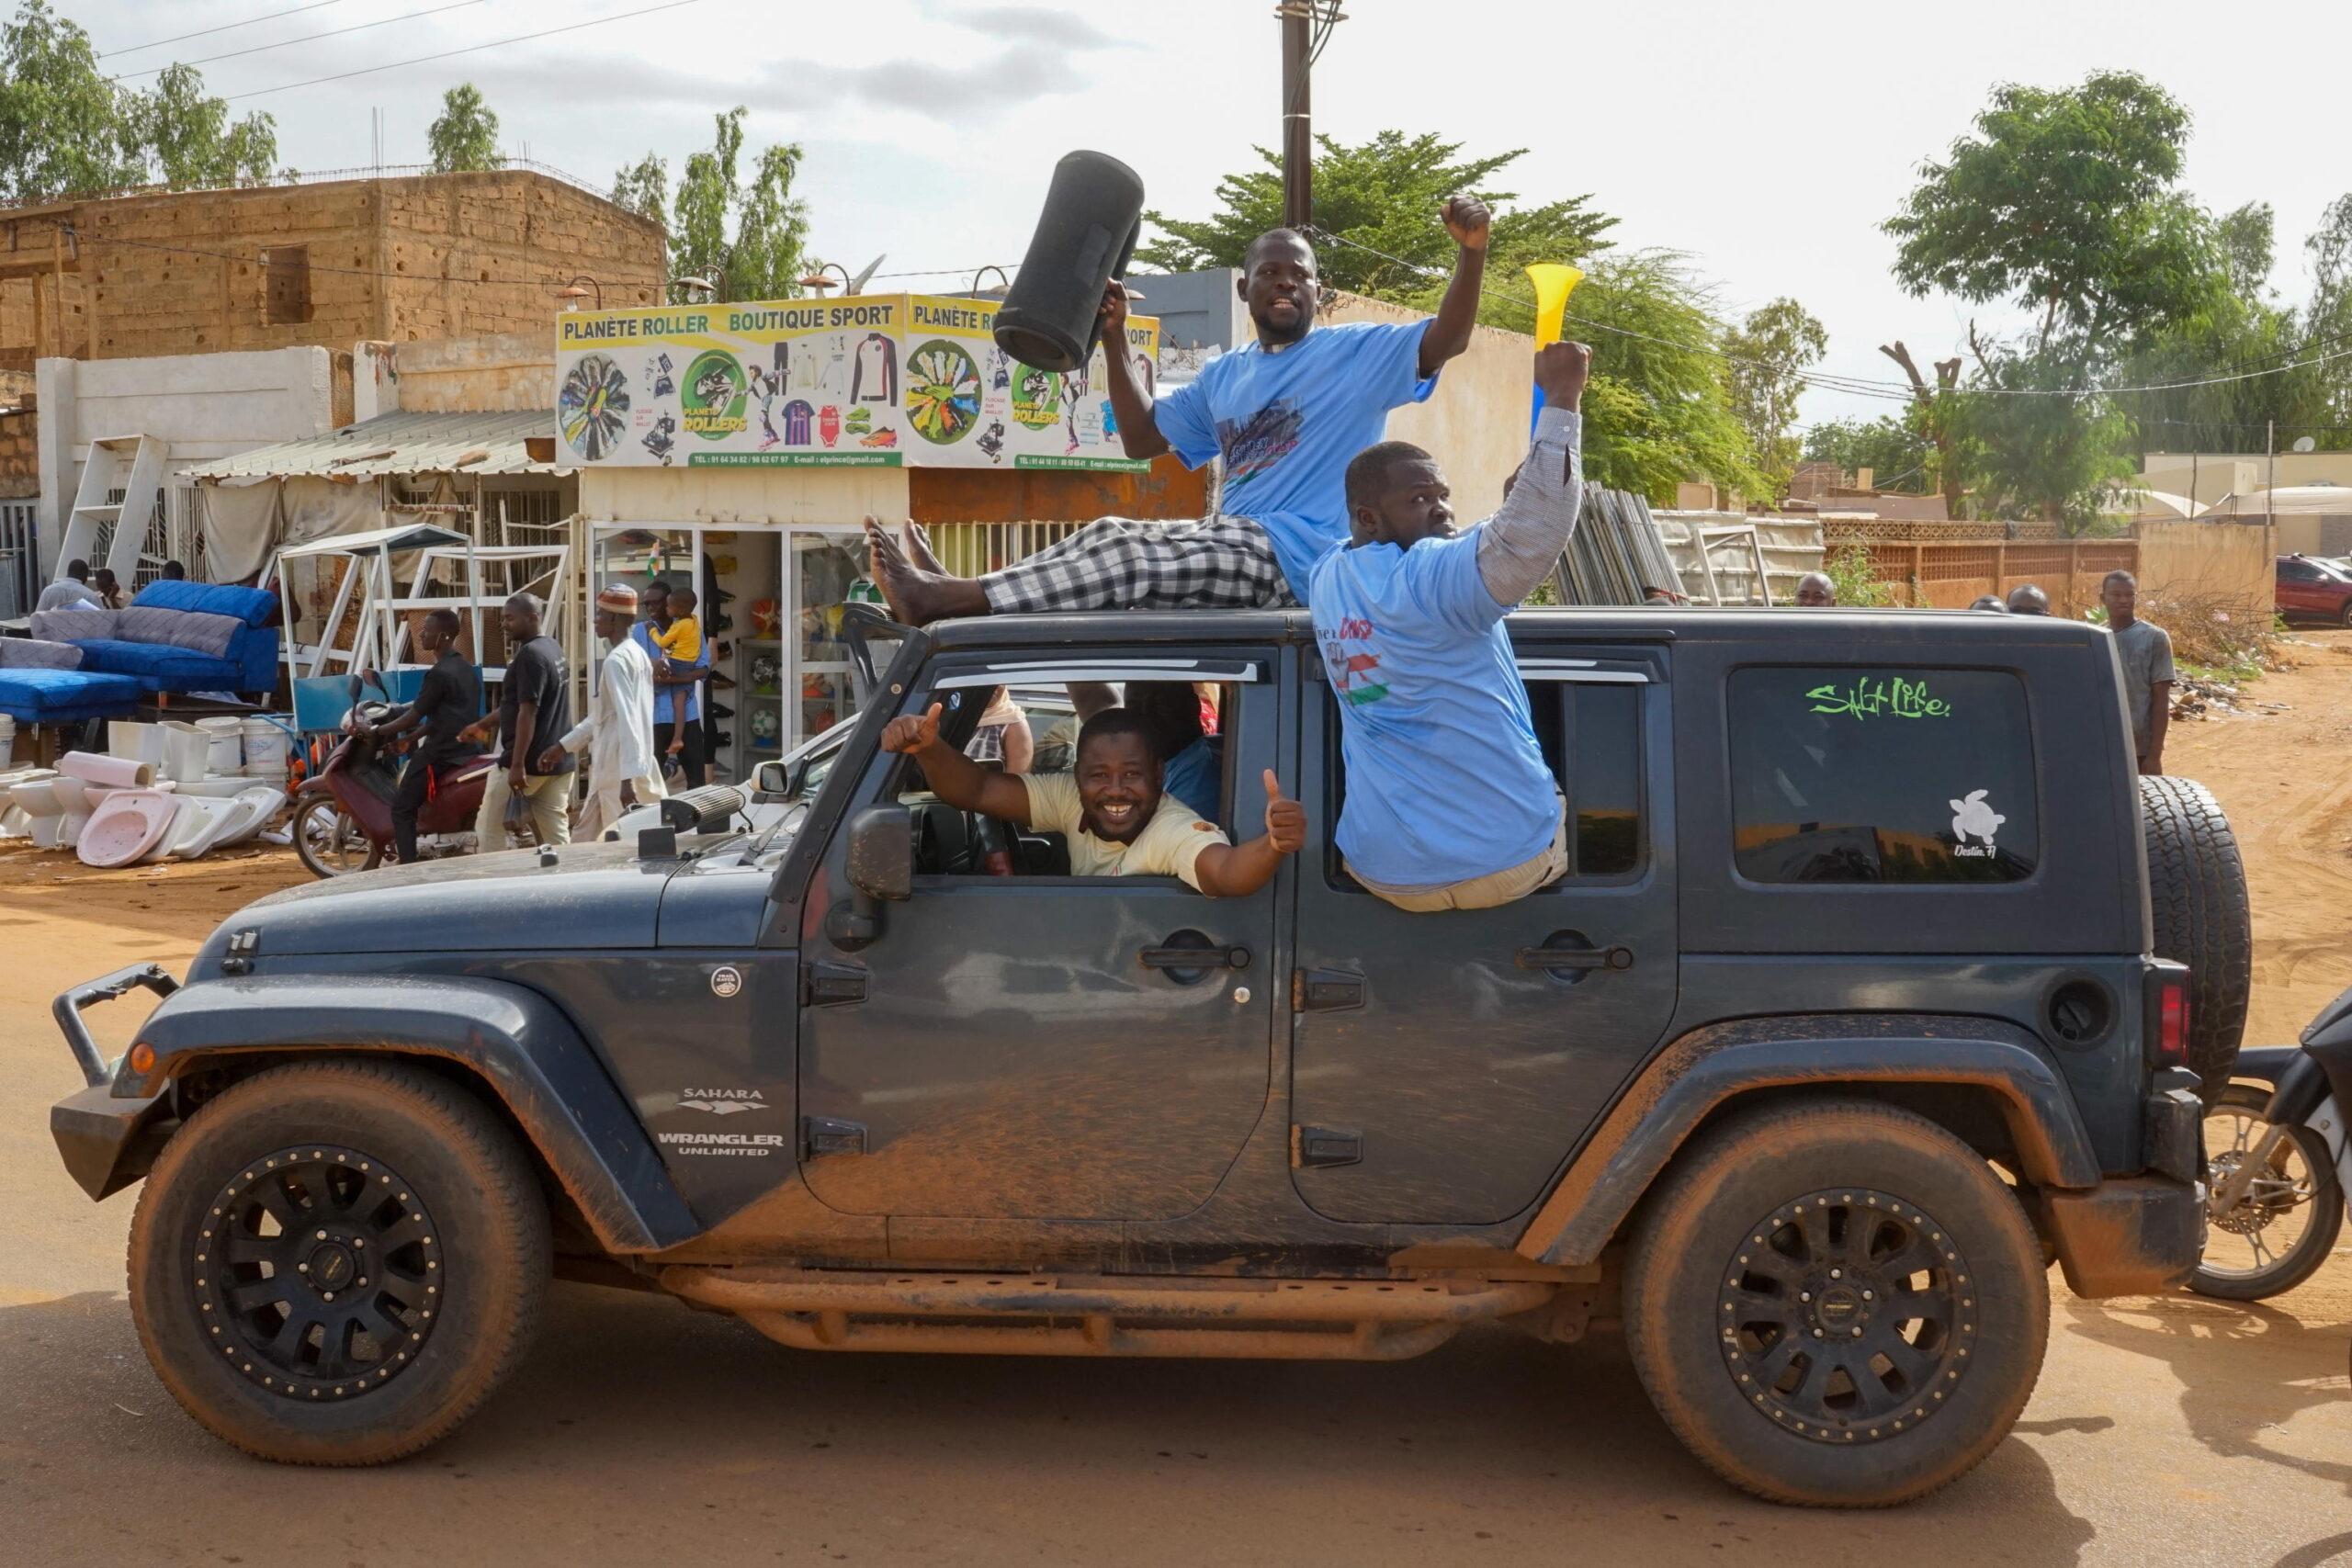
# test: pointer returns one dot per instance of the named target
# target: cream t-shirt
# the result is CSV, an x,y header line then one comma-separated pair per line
x,y
1168,845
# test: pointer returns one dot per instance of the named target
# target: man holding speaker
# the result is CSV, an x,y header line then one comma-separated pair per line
x,y
1285,414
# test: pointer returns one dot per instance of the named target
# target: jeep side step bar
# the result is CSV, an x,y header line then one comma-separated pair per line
x,y
1037,1314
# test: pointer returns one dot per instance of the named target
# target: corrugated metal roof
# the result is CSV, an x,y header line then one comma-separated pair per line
x,y
401,443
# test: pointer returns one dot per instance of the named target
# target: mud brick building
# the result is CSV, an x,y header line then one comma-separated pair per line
x,y
330,265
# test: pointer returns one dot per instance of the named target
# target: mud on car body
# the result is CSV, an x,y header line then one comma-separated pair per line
x,y
1845,1024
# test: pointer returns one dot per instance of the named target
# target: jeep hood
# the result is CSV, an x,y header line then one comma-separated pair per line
x,y
596,895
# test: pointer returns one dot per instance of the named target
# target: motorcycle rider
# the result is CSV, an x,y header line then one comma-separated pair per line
x,y
445,704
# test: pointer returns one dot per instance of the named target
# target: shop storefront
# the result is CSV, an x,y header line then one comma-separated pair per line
x,y
737,448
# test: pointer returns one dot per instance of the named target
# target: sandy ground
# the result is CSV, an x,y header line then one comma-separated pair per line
x,y
2172,1431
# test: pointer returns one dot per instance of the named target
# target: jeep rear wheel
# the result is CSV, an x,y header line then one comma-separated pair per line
x,y
336,1262
1836,1304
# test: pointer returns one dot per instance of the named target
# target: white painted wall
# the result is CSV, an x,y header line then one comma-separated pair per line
x,y
205,405
747,496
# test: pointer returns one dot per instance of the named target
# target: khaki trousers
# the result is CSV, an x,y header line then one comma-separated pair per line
x,y
605,807
1484,892
547,797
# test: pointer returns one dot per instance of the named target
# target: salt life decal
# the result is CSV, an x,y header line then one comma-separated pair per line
x,y
1882,697
1975,818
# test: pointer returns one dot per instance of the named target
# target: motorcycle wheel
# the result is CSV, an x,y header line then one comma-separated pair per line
x,y
2286,1223
330,842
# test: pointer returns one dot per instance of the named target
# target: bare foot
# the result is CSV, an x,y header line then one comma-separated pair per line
x,y
918,542
917,597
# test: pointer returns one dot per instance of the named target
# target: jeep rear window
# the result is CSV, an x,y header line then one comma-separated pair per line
x,y
1845,774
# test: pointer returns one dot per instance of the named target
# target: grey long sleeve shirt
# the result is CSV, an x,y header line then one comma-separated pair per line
x,y
1518,545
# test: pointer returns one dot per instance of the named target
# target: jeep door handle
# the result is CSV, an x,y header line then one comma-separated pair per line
x,y
1576,958
1194,958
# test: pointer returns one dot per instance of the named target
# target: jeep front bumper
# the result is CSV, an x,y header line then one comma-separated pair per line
x,y
108,1140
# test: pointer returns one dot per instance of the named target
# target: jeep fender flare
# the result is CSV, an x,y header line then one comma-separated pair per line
x,y
1702,1070
514,1039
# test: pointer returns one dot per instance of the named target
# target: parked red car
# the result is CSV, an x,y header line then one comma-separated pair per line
x,y
2313,588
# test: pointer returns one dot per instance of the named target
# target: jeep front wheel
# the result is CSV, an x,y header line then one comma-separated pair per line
x,y
1836,1304
336,1262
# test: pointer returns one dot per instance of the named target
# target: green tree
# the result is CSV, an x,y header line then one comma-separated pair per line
x,y
1765,361
766,254
2328,321
1383,194
2040,448
2065,203
643,188
1892,449
61,124
187,140
464,139
1658,409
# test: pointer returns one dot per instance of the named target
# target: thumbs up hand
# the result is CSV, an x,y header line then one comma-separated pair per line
x,y
913,732
1285,818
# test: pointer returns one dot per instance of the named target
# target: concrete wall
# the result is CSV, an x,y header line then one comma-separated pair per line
x,y
499,372
1476,422
802,496
205,405
2316,535
2216,474
2234,564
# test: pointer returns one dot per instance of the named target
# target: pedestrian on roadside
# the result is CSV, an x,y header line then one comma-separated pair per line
x,y
2026,599
534,702
2146,652
1815,592
618,731
108,587
1992,602
71,591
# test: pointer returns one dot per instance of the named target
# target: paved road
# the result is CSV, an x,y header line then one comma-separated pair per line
x,y
2163,1432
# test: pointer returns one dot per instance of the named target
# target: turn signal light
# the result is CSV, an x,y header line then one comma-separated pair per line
x,y
143,1058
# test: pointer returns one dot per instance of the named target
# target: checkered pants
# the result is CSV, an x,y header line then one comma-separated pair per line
x,y
1218,563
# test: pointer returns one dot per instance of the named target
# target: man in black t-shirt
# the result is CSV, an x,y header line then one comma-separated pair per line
x,y
534,709
446,704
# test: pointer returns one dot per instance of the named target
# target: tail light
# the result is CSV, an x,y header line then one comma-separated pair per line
x,y
2168,1015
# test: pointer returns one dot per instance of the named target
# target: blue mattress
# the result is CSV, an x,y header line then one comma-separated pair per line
x,y
59,697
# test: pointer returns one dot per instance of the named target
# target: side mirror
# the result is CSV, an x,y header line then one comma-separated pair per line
x,y
882,852
771,780
881,870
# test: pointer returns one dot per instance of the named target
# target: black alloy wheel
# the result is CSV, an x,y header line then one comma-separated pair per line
x,y
1847,1315
319,1272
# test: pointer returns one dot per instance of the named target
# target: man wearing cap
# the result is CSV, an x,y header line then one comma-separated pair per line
x,y
619,730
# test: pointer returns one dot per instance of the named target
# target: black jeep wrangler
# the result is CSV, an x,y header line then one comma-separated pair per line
x,y
1843,1026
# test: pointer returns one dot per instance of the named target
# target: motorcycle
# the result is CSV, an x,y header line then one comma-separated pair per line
x,y
342,813
2279,1163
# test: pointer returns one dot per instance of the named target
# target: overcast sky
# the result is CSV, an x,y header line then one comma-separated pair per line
x,y
1767,141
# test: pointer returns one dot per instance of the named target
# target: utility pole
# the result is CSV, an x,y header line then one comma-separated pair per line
x,y
1298,142
2270,485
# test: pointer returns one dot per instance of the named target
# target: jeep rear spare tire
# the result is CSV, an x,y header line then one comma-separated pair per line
x,y
2197,889
1836,1303
336,1262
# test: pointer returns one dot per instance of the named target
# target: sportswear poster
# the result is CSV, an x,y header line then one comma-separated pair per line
x,y
886,380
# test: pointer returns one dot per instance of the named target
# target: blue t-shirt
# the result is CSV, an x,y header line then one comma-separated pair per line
x,y
669,700
1286,425
1196,776
1445,780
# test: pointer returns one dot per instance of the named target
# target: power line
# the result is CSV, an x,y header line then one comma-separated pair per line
x,y
224,27
469,48
306,38
1856,385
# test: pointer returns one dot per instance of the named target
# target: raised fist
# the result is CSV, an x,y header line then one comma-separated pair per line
x,y
1560,372
1466,218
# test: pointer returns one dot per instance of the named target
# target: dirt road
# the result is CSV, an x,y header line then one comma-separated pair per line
x,y
2171,1431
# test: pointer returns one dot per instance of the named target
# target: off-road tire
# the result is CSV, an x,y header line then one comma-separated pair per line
x,y
2197,889
1702,1225
2315,1244
489,1241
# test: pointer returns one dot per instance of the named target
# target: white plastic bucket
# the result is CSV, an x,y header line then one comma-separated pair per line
x,y
7,740
223,756
264,749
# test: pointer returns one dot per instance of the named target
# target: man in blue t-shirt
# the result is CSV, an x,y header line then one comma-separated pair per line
x,y
1448,803
1285,413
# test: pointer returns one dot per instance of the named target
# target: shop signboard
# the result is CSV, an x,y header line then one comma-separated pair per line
x,y
913,381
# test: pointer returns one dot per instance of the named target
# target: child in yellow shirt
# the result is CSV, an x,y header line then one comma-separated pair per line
x,y
681,645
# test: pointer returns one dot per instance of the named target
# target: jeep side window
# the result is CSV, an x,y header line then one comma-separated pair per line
x,y
1845,775
1590,735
